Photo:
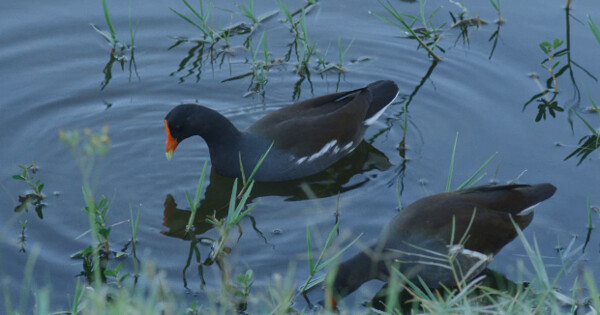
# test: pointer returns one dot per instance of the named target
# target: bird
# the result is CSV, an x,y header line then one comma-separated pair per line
x,y
301,139
420,239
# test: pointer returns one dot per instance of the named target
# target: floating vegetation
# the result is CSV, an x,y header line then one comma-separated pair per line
x,y
550,63
496,4
210,35
118,49
420,34
35,196
249,13
323,65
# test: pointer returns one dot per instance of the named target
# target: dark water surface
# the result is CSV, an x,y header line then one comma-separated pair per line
x,y
51,70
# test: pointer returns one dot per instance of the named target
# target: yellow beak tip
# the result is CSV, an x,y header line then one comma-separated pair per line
x,y
169,155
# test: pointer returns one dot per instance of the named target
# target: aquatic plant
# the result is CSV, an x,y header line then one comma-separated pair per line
x,y
35,197
428,31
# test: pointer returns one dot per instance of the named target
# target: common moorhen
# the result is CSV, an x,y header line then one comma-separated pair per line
x,y
481,216
307,137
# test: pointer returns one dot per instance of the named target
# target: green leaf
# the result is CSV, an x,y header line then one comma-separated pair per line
x,y
110,273
19,177
556,43
104,232
545,46
119,267
125,276
594,28
102,203
311,266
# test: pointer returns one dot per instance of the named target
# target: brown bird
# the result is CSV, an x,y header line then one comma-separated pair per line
x,y
481,216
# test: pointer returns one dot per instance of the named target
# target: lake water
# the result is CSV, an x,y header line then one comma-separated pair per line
x,y
52,79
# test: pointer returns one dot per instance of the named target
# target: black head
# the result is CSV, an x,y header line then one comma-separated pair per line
x,y
188,120
180,123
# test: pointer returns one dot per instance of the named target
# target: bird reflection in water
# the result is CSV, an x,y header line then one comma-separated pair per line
x,y
340,177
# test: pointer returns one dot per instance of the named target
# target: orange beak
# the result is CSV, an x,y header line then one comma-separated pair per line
x,y
330,301
171,142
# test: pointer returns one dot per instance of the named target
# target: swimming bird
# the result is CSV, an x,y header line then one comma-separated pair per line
x,y
427,234
304,138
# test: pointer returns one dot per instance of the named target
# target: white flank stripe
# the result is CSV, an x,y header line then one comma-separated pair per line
x,y
348,146
374,118
470,253
529,210
301,160
328,146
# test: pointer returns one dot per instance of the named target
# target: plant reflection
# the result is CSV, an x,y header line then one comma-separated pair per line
x,y
207,51
117,52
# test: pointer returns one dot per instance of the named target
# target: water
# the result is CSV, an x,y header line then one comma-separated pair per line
x,y
52,65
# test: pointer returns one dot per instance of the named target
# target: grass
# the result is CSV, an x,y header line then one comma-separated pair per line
x,y
406,22
210,35
471,180
117,48
319,264
496,4
589,143
249,13
323,65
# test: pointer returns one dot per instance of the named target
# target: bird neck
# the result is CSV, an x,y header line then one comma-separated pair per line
x,y
213,127
353,273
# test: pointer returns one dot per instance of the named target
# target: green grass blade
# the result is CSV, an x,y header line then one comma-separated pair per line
x,y
594,28
200,27
231,209
327,244
242,169
336,255
109,21
265,51
466,182
242,203
311,266
200,186
260,162
190,223
451,169
585,122
198,15
594,293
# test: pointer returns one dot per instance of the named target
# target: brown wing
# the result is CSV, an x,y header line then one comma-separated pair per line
x,y
305,127
491,228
